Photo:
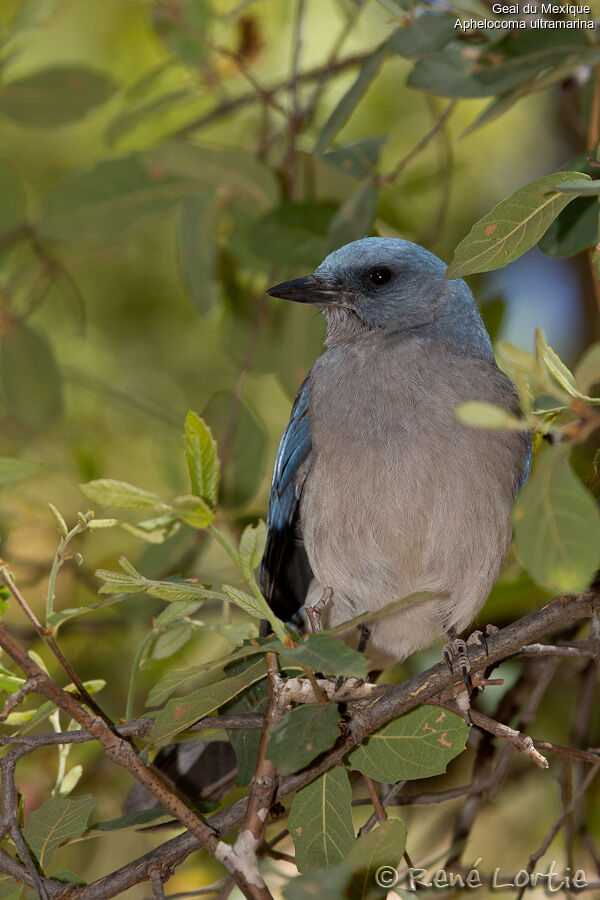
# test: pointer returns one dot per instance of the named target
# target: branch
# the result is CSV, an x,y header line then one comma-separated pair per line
x,y
397,700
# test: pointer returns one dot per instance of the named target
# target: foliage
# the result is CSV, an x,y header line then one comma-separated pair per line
x,y
148,200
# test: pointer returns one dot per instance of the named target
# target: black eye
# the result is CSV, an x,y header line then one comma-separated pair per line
x,y
380,275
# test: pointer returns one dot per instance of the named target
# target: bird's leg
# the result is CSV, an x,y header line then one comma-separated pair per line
x,y
314,612
455,652
365,634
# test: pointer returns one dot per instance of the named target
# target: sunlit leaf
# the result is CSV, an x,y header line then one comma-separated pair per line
x,y
252,546
512,227
320,821
193,511
202,460
418,744
557,526
119,494
480,414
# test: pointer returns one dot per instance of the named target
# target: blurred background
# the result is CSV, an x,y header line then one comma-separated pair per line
x,y
152,185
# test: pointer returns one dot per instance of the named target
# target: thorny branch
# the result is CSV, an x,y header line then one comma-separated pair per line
x,y
369,707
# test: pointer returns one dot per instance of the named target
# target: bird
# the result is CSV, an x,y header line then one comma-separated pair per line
x,y
379,490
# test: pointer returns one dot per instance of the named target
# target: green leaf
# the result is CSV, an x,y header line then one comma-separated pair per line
x,y
351,98
356,159
247,446
320,821
246,741
252,547
582,186
471,70
418,744
512,227
9,682
67,877
255,606
31,378
181,712
198,250
104,201
155,530
556,366
302,735
119,495
177,610
426,33
296,234
323,884
202,460
587,370
133,581
13,209
557,526
193,511
324,653
54,97
575,229
16,469
480,414
56,822
383,846
237,173
143,817
355,216
172,640
70,781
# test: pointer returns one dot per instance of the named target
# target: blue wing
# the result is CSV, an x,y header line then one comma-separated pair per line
x,y
285,572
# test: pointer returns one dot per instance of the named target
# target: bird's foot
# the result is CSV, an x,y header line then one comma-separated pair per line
x,y
456,656
314,612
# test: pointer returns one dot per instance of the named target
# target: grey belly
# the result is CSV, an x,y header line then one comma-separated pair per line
x,y
380,523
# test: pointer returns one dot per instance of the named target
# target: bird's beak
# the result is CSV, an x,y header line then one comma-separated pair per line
x,y
309,289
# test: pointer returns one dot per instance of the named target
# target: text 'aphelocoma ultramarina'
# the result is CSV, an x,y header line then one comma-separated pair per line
x,y
379,490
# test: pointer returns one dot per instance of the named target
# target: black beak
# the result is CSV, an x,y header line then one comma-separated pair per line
x,y
309,289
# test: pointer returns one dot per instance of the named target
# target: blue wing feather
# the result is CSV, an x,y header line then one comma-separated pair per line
x,y
285,571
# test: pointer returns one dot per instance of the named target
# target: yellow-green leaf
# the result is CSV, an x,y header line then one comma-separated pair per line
x,y
202,460
512,227
480,414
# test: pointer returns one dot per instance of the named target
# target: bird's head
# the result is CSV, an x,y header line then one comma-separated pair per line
x,y
387,284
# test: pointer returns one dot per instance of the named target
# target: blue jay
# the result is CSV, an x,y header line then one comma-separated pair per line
x,y
379,490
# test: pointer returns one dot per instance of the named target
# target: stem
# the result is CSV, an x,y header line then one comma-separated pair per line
x,y
225,544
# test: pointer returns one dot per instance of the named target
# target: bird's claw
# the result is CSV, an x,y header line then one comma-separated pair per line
x,y
457,659
480,637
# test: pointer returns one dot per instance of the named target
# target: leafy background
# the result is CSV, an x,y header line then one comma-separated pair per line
x,y
144,210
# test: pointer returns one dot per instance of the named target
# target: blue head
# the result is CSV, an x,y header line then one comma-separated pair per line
x,y
389,285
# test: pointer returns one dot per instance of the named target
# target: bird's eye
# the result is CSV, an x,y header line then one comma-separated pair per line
x,y
380,275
